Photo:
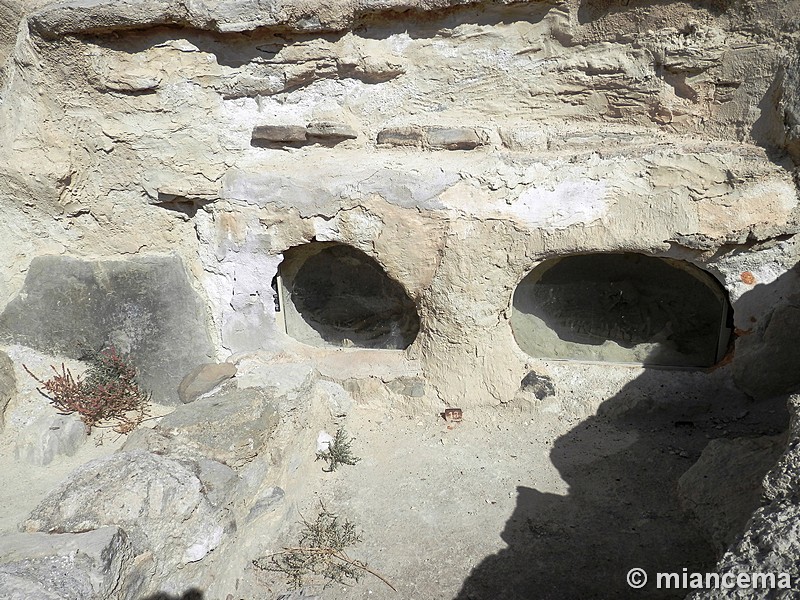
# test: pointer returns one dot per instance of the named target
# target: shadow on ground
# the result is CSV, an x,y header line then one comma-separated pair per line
x,y
622,466
190,594
622,511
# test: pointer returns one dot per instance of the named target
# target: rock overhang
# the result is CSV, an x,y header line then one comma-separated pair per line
x,y
227,16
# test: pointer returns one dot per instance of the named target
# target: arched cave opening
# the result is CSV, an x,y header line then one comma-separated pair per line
x,y
332,294
622,307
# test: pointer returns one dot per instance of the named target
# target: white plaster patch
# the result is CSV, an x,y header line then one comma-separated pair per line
x,y
326,230
570,203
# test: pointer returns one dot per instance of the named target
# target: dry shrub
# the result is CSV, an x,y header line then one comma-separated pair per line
x,y
322,551
107,395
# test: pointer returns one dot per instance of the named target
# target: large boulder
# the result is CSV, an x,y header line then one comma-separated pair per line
x,y
158,501
143,306
230,427
771,541
69,566
723,488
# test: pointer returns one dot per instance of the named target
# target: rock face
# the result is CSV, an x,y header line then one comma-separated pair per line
x,y
230,427
770,542
68,566
145,307
159,503
551,134
724,508
768,355
162,161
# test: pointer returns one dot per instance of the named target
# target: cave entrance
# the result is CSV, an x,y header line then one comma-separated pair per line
x,y
332,294
626,308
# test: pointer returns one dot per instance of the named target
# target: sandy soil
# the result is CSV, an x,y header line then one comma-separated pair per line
x,y
528,505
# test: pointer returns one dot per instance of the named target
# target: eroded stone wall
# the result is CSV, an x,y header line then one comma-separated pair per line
x,y
459,146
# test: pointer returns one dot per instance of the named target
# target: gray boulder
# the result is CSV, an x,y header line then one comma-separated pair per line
x,y
144,306
230,427
204,378
69,566
159,502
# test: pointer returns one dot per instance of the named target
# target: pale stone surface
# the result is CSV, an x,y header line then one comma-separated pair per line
x,y
204,378
50,436
663,128
157,501
66,566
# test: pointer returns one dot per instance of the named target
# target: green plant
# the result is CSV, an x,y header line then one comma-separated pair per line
x,y
338,452
106,395
322,550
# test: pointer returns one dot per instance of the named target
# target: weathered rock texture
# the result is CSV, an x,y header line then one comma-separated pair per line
x,y
144,307
68,566
476,141
231,427
770,542
160,503
8,383
457,144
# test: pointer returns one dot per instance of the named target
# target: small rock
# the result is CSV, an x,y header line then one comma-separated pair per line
x,y
339,401
541,385
49,436
324,440
204,378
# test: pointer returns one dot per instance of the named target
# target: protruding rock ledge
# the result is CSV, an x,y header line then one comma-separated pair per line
x,y
401,136
435,138
280,134
329,131
58,19
317,132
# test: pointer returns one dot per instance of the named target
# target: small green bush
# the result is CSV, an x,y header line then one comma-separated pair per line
x,y
339,452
